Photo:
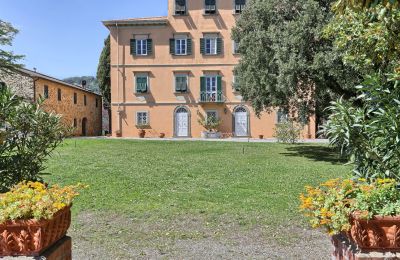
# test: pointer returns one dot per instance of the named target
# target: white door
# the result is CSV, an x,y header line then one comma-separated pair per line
x,y
182,123
241,124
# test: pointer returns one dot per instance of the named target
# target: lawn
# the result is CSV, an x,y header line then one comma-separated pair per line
x,y
159,199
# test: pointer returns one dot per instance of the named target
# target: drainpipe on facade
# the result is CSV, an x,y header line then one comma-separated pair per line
x,y
119,111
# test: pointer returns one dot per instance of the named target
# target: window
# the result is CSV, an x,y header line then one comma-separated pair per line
x,y
235,47
142,83
181,83
142,118
141,47
211,46
46,91
212,114
210,7
211,89
239,6
180,7
59,94
235,84
180,46
84,100
282,116
75,123
75,98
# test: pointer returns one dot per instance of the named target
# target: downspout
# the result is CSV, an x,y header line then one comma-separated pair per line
x,y
119,131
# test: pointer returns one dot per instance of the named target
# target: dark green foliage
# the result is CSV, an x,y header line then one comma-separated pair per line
x,y
28,135
91,82
285,61
8,60
104,76
369,135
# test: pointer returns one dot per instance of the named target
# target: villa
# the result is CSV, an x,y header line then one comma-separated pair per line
x,y
167,72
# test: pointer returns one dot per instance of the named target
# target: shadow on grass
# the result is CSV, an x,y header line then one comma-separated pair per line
x,y
316,153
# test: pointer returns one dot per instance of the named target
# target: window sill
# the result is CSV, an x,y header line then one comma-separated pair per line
x,y
141,93
181,93
211,14
180,15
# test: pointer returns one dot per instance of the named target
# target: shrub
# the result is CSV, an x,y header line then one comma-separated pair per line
x,y
369,135
28,135
210,123
33,200
288,132
330,204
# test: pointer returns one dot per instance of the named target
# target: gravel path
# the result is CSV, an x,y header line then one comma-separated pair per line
x,y
115,237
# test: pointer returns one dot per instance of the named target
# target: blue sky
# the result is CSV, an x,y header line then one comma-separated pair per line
x,y
64,38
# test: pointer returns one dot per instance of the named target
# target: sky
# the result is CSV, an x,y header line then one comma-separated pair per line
x,y
64,38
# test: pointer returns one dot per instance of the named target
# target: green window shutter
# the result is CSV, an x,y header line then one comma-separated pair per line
x,y
219,83
149,46
219,45
133,47
177,84
202,83
183,84
189,46
202,46
172,46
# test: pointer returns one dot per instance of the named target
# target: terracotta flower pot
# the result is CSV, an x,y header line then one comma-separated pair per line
x,y
261,136
162,135
32,237
142,133
378,233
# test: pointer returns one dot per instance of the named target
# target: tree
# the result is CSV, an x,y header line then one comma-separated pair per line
x,y
285,61
8,60
368,37
104,78
369,135
28,135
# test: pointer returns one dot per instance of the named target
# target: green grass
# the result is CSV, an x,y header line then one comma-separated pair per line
x,y
246,182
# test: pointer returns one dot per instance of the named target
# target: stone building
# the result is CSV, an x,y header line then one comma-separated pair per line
x,y
169,72
80,108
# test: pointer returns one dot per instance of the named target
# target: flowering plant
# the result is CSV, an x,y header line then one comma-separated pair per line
x,y
34,200
330,204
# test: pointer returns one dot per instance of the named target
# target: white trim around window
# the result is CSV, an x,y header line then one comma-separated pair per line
x,y
140,75
181,46
212,111
181,74
211,45
142,118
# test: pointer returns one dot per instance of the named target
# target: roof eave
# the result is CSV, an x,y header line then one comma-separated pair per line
x,y
114,23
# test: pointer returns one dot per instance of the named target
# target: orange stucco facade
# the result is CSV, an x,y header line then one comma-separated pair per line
x,y
84,117
161,102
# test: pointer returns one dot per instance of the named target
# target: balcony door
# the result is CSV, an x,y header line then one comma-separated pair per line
x,y
211,88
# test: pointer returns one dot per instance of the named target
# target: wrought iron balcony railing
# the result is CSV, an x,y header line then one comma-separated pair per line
x,y
211,97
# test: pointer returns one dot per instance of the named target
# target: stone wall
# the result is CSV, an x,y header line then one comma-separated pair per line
x,y
22,85
70,112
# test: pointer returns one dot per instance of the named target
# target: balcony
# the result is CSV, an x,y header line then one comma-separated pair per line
x,y
211,97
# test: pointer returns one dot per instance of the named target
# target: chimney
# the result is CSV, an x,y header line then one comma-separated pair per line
x,y
84,84
34,69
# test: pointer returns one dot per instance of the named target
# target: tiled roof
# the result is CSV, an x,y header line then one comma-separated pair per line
x,y
35,74
159,20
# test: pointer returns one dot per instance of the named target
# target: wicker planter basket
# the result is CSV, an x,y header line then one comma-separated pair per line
x,y
378,233
32,237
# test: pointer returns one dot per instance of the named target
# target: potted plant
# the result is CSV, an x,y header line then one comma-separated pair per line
x,y
366,213
33,217
261,136
162,135
142,131
211,124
